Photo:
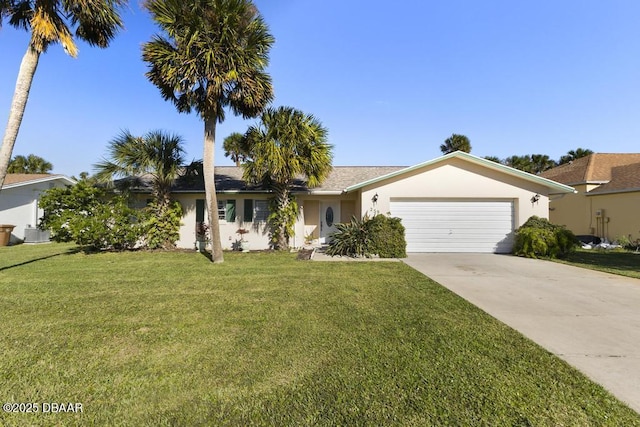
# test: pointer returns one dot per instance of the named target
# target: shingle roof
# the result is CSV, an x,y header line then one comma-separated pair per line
x,y
595,168
229,178
17,179
623,178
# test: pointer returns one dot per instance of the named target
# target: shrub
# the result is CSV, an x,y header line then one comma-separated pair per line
x,y
352,239
388,237
113,226
538,238
92,217
380,235
161,228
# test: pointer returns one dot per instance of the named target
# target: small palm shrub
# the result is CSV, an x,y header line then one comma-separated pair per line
x,y
352,239
538,238
380,235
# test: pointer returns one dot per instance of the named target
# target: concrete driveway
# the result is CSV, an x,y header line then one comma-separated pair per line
x,y
589,319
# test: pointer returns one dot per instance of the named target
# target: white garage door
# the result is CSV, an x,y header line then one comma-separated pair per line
x,y
456,226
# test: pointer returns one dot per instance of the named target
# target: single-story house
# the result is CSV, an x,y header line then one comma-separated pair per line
x,y
19,203
607,202
454,203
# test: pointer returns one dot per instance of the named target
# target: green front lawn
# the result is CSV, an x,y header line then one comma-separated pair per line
x,y
263,339
624,263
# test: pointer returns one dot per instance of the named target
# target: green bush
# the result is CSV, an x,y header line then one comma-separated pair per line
x,y
380,235
538,238
352,239
112,226
161,228
388,237
92,217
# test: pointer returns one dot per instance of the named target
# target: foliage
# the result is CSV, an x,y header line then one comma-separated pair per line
x,y
110,226
50,22
282,221
574,154
63,206
275,342
456,143
211,55
388,237
30,164
380,235
157,156
92,217
538,238
287,144
352,239
161,227
235,148
531,163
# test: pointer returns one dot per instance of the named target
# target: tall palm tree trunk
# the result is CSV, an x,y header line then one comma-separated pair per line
x,y
18,104
283,200
208,159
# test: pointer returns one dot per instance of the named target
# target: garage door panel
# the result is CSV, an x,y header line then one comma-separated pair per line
x,y
456,226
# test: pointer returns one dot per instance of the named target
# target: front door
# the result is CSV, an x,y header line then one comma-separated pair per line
x,y
329,216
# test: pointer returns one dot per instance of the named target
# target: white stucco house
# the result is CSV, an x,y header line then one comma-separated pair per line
x,y
19,202
455,203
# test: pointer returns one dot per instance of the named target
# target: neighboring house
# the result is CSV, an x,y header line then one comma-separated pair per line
x,y
607,202
455,203
19,202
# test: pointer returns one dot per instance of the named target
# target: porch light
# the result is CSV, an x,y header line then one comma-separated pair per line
x,y
535,198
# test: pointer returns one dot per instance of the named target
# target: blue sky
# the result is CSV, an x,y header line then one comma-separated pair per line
x,y
390,81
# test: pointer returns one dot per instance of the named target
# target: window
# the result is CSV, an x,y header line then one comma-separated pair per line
x,y
261,209
227,210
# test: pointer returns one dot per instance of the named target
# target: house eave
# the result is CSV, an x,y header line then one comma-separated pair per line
x,y
623,190
68,180
553,185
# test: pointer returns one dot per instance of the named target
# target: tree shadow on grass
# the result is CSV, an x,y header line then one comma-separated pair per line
x,y
69,251
623,261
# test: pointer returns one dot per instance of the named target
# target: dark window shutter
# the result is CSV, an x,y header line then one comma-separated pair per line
x,y
200,210
231,211
248,210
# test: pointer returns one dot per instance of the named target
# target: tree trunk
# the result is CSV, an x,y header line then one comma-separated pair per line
x,y
18,105
208,159
282,202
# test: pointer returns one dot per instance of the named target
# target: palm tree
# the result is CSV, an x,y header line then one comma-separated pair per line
x,y
29,164
522,163
156,155
574,154
211,56
541,162
50,22
234,148
495,159
456,143
286,145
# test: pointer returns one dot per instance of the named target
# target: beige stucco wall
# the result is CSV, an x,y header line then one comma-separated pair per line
x,y
621,215
574,211
258,237
578,213
458,179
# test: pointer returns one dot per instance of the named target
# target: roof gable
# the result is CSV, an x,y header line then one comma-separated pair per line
x,y
595,168
623,179
20,179
471,159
